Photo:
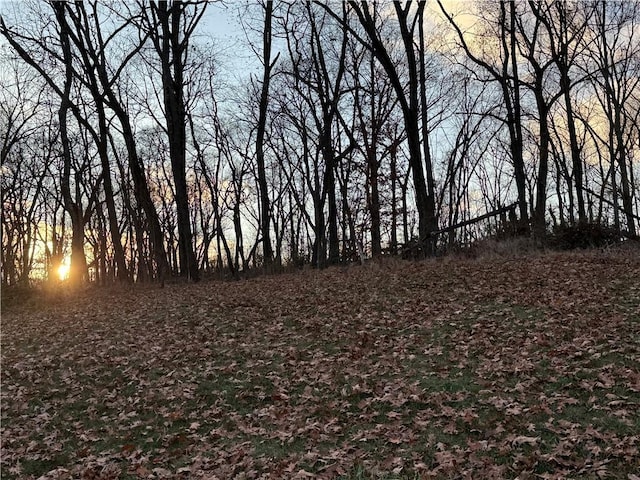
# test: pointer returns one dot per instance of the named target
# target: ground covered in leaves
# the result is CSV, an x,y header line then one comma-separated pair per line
x,y
496,368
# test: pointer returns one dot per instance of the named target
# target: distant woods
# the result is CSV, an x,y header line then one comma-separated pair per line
x,y
355,129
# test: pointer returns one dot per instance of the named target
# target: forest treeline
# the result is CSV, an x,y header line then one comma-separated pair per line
x,y
357,128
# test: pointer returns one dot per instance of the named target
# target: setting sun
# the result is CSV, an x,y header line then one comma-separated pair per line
x,y
63,271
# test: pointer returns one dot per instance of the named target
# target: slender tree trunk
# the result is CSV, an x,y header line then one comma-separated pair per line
x,y
142,194
374,204
394,200
432,221
101,258
514,117
575,149
372,170
426,212
118,251
627,200
319,255
543,166
265,211
330,193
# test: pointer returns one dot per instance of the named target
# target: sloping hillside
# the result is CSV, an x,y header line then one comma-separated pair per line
x,y
496,368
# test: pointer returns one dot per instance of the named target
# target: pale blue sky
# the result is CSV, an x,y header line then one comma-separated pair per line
x,y
222,24
219,21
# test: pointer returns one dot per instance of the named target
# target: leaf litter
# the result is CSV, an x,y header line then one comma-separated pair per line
x,y
449,368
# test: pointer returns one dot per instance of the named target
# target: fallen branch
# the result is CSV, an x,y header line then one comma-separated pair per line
x,y
474,220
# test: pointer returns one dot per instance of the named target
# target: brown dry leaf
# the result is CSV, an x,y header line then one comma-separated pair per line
x,y
524,440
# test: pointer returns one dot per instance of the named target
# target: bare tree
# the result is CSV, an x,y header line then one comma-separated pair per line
x,y
617,81
408,18
566,25
505,72
268,64
170,25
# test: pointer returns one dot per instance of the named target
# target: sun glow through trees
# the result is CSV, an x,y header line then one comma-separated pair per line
x,y
63,271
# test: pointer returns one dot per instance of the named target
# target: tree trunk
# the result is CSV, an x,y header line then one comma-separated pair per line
x,y
514,116
171,49
373,196
265,211
77,272
394,200
411,110
543,166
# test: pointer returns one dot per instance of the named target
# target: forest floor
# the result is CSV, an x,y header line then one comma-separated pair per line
x,y
522,367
